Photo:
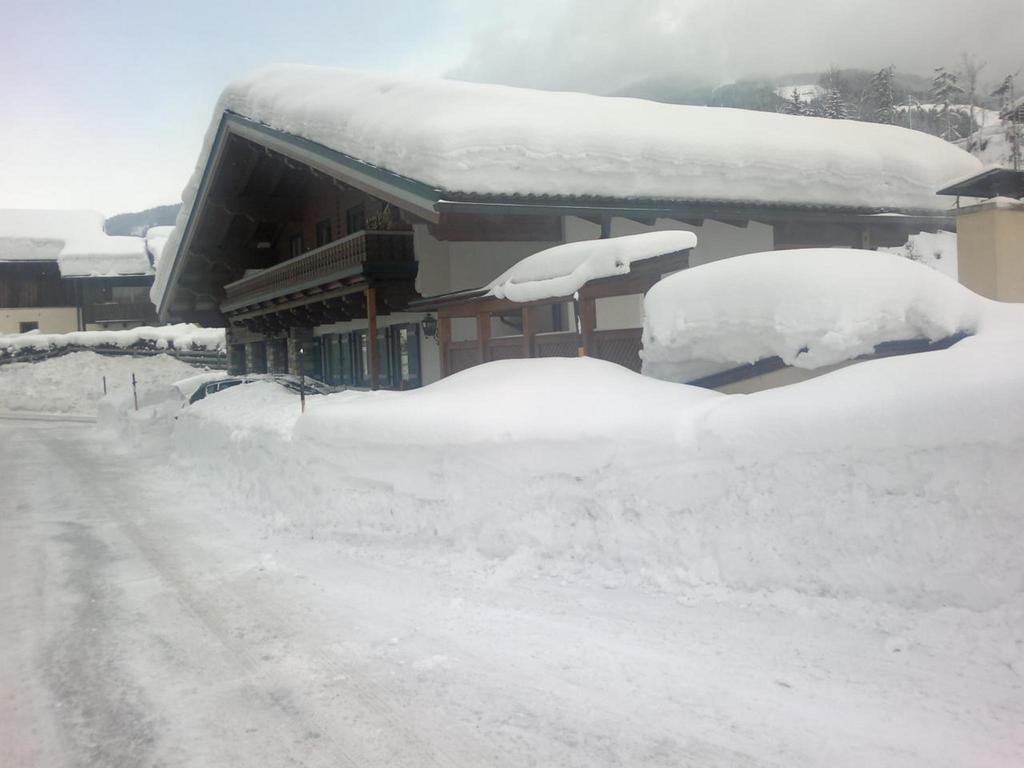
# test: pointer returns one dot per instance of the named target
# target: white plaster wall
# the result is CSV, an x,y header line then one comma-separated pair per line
x,y
456,266
50,319
615,312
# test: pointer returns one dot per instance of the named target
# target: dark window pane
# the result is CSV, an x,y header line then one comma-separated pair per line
x,y
323,232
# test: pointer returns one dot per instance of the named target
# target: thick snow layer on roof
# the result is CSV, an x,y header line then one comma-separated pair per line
x,y
564,269
489,139
812,307
934,249
74,239
106,256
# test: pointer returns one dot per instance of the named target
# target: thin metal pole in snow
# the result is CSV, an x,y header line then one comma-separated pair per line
x,y
302,379
104,386
135,392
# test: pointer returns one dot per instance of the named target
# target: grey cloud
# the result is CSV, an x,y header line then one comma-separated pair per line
x,y
603,45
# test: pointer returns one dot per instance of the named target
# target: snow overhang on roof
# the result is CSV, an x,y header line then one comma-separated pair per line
x,y
462,141
75,240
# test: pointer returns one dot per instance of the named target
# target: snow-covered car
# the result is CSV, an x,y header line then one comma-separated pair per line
x,y
289,381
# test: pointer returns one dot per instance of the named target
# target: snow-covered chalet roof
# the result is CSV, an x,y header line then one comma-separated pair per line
x,y
468,139
73,239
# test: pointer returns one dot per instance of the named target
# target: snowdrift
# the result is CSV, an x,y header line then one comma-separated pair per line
x,y
895,480
73,383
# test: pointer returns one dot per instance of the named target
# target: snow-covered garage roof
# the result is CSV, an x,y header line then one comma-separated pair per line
x,y
478,141
74,239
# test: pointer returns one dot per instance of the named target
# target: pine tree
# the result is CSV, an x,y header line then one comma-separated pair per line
x,y
882,96
1011,125
833,103
945,91
794,104
1004,92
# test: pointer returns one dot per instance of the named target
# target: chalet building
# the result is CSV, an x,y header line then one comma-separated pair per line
x,y
990,232
60,272
353,224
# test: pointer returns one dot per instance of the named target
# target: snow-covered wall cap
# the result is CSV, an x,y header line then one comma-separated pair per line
x,y
564,269
74,239
812,307
473,138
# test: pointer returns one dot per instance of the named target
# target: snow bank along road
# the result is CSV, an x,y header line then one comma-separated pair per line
x,y
148,621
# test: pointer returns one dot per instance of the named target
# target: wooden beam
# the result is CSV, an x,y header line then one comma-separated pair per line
x,y
259,207
444,340
695,223
529,330
371,333
588,322
483,333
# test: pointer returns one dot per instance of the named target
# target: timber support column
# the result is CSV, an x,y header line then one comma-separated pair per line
x,y
371,336
588,322
483,333
529,330
444,339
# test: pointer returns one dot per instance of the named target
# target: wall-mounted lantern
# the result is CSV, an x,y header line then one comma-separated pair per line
x,y
429,324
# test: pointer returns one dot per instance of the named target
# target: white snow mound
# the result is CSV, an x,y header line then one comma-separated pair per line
x,y
811,307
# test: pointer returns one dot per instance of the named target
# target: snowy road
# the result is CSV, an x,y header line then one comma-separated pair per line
x,y
145,621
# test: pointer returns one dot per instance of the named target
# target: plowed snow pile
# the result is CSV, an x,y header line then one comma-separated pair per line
x,y
73,383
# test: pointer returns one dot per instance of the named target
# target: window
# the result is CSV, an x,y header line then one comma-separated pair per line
x,y
129,294
355,218
295,245
323,232
26,327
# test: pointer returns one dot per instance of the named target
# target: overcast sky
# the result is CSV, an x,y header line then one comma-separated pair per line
x,y
104,104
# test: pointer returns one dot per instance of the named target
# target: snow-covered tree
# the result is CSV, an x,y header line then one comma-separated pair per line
x,y
970,70
881,96
794,105
946,90
833,103
1010,113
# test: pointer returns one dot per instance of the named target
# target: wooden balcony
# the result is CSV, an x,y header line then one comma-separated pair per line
x,y
369,253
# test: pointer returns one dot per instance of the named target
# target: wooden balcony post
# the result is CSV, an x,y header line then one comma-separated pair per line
x,y
444,339
371,334
588,322
529,330
483,333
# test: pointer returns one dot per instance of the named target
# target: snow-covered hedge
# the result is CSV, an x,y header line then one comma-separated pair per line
x,y
183,336
812,307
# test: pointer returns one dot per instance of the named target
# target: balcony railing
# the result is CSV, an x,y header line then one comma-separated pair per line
x,y
330,262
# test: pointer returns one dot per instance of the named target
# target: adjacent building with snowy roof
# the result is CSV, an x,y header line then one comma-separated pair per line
x,y
327,202
59,272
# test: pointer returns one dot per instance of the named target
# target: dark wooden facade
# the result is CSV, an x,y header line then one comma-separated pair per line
x,y
536,337
97,300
